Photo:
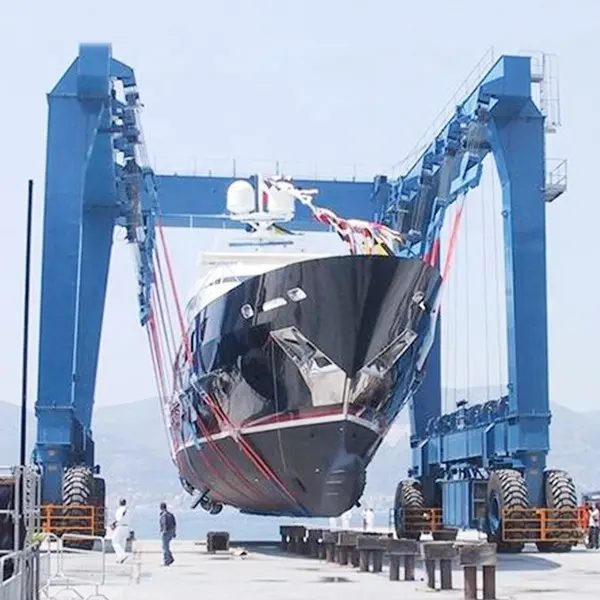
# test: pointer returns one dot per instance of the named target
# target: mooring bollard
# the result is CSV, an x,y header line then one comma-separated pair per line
x,y
371,549
405,551
444,553
481,555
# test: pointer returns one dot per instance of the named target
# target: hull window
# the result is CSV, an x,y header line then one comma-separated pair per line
x,y
296,294
247,311
273,304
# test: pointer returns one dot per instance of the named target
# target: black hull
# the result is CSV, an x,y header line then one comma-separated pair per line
x,y
308,388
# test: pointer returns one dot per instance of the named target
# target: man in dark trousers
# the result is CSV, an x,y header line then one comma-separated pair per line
x,y
168,530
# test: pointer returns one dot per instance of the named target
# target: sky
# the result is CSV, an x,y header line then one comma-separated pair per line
x,y
315,85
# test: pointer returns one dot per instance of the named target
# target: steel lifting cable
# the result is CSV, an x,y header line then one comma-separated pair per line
x,y
501,372
449,260
468,321
171,341
154,329
247,448
219,453
485,286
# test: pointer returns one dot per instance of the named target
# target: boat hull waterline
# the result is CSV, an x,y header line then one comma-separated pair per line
x,y
310,364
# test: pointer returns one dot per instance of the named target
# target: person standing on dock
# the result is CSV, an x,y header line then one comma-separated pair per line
x,y
594,527
168,530
120,528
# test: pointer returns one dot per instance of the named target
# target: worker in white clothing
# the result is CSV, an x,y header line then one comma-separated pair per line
x,y
369,520
346,517
120,528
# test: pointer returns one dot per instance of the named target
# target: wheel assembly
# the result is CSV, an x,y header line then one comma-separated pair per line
x,y
506,491
561,496
79,493
409,509
78,487
99,501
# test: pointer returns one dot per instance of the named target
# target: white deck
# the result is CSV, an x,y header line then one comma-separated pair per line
x,y
266,574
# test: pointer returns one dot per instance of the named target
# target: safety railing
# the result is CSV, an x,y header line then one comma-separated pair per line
x,y
20,575
423,520
73,519
542,525
58,575
21,486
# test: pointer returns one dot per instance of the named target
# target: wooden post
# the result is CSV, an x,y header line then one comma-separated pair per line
x,y
363,560
377,560
409,567
444,553
371,545
446,574
314,542
329,541
402,550
283,532
394,567
430,571
470,575
476,555
346,543
489,582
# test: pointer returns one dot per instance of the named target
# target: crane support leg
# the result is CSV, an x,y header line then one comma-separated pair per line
x,y
489,461
426,405
79,216
518,142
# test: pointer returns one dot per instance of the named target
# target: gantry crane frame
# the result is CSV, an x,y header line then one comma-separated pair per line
x,y
98,178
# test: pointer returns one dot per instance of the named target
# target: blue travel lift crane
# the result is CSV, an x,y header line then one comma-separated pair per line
x,y
473,463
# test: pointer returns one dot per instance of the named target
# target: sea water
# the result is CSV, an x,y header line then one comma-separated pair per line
x,y
194,524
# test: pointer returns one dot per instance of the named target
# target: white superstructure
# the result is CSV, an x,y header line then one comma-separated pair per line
x,y
227,270
260,208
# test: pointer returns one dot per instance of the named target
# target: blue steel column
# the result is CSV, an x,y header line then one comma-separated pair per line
x,y
517,128
75,109
425,405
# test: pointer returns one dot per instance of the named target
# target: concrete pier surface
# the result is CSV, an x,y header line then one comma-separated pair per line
x,y
265,573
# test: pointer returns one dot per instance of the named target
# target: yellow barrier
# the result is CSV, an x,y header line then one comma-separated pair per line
x,y
542,525
73,519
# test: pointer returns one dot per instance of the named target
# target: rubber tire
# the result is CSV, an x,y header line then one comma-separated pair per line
x,y
409,494
509,486
216,508
560,492
78,486
99,500
78,490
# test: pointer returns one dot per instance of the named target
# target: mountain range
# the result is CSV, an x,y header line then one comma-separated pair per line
x,y
131,447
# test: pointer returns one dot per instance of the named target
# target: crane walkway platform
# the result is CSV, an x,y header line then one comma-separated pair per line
x,y
268,573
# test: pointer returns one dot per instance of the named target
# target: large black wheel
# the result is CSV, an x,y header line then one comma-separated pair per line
x,y
99,501
78,495
409,508
561,495
78,487
506,490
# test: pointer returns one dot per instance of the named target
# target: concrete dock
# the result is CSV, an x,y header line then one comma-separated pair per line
x,y
267,573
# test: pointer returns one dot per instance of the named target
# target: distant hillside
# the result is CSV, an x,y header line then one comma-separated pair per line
x,y
132,449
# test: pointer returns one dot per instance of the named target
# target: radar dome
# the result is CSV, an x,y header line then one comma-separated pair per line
x,y
241,198
281,203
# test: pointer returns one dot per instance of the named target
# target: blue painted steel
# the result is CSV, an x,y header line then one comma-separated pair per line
x,y
97,178
499,117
